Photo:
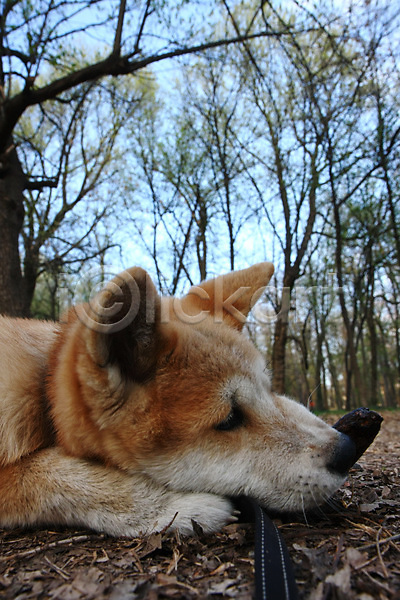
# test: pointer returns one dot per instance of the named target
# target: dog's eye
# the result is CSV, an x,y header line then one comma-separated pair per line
x,y
234,420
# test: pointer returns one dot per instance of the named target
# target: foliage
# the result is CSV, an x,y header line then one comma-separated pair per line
x,y
199,137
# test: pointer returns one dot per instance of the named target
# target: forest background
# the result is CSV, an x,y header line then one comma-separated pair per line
x,y
192,138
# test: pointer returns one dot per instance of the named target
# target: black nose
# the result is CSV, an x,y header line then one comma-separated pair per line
x,y
343,456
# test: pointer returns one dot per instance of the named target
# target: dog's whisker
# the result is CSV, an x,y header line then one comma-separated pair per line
x,y
334,504
304,510
288,501
317,504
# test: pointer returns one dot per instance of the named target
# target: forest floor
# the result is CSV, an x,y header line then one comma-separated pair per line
x,y
347,553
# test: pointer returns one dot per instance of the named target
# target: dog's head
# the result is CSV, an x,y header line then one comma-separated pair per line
x,y
173,388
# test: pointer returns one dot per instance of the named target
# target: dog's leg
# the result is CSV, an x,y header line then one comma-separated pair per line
x,y
49,487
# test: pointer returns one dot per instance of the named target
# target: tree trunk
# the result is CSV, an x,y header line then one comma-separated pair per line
x,y
13,299
319,366
279,347
338,396
373,338
353,377
386,370
351,364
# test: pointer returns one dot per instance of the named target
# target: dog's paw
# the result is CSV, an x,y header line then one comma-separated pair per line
x,y
188,513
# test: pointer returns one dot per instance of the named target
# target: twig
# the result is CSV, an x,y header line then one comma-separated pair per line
x,y
136,560
168,524
44,547
379,542
57,569
378,550
380,585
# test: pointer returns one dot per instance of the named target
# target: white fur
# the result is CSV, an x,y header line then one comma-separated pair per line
x,y
285,470
134,453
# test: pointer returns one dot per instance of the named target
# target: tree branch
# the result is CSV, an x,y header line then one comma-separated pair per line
x,y
25,58
113,65
118,32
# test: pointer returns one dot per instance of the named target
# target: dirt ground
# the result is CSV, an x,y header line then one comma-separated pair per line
x,y
343,552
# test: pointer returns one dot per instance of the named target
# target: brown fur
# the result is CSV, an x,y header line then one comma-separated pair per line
x,y
110,419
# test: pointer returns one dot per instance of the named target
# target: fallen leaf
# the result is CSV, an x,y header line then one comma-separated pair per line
x,y
355,558
221,587
341,579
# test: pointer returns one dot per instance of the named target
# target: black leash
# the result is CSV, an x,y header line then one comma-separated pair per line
x,y
274,571
274,576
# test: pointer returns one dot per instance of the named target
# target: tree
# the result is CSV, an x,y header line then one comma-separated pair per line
x,y
292,134
358,152
221,126
71,150
191,165
168,170
331,81
36,36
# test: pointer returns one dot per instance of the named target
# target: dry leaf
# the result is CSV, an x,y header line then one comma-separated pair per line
x,y
341,579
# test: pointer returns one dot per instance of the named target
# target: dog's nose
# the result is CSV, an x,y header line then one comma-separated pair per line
x,y
343,456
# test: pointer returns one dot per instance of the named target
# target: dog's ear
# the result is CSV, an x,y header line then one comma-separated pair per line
x,y
122,325
229,297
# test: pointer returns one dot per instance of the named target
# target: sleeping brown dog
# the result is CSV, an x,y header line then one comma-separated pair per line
x,y
139,413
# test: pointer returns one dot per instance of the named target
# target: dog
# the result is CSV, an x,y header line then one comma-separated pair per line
x,y
139,414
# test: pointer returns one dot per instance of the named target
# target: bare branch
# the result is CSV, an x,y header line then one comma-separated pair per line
x,y
118,32
17,54
146,14
113,65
